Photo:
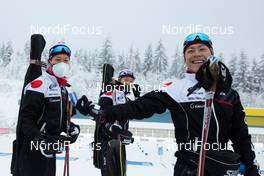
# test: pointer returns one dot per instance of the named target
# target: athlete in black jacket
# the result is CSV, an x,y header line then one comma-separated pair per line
x,y
227,121
112,137
43,116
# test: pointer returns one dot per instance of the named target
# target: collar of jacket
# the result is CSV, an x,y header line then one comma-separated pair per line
x,y
191,77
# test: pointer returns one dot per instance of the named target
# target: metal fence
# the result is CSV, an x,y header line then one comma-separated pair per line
x,y
161,133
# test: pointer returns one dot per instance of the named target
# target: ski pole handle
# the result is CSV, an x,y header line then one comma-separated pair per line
x,y
214,70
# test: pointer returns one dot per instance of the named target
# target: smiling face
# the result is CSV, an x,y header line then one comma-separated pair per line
x,y
195,55
127,80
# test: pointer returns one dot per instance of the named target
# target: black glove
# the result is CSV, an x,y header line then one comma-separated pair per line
x,y
206,79
225,80
83,105
204,76
252,171
124,136
37,46
74,132
50,145
86,107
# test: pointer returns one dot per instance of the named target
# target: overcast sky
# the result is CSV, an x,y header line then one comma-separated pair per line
x,y
233,24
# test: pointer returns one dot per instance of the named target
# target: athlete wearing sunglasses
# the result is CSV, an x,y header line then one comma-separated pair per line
x,y
196,49
59,62
44,114
227,120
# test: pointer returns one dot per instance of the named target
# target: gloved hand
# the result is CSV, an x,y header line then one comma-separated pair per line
x,y
124,136
214,71
83,105
86,107
205,76
49,146
115,129
74,132
225,80
37,46
252,171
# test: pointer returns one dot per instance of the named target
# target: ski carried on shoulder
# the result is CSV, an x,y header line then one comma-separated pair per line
x,y
34,70
108,73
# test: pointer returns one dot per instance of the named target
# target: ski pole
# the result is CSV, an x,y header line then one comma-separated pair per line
x,y
206,123
209,97
66,171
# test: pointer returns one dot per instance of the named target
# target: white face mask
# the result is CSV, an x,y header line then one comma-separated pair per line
x,y
61,70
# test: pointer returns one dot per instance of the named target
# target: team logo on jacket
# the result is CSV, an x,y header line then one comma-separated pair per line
x,y
36,84
52,100
52,86
196,106
120,97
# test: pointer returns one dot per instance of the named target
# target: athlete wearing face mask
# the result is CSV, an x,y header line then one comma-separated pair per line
x,y
43,115
61,70
59,63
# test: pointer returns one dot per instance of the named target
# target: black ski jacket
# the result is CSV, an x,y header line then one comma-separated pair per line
x,y
43,109
227,120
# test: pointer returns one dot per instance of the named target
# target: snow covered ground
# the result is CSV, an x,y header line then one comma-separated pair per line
x,y
142,157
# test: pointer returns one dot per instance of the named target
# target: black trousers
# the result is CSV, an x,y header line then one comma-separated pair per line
x,y
33,163
183,169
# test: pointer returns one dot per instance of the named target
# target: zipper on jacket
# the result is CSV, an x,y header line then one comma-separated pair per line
x,y
41,114
60,111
